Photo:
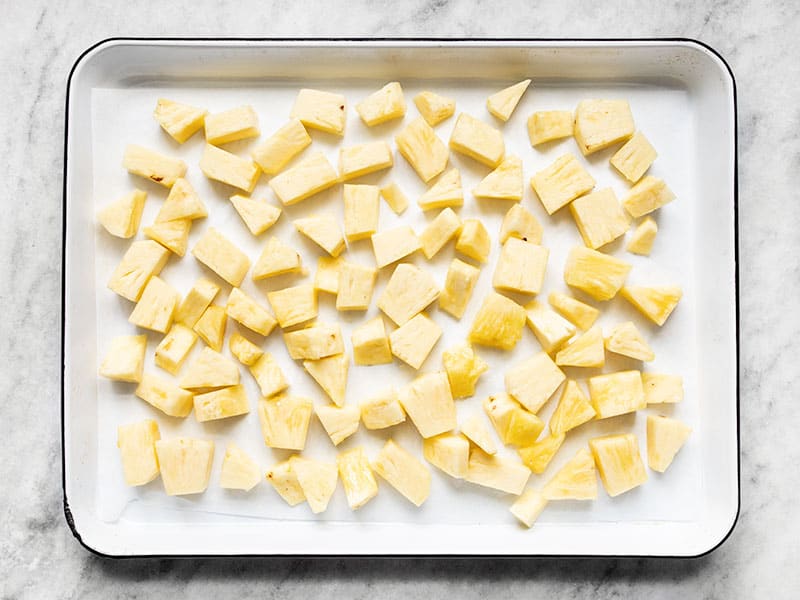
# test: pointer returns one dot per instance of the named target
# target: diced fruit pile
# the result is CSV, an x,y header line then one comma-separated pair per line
x,y
460,446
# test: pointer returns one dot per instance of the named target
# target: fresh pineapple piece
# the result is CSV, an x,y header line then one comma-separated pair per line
x,y
586,350
448,452
326,278
331,375
165,396
434,108
314,342
521,267
404,472
619,462
499,322
185,465
284,479
339,422
502,104
196,302
356,283
423,150
626,339
121,217
245,310
361,210
560,183
579,313
576,480
529,506
245,351
504,183
656,302
239,471
317,481
520,223
211,327
362,159
532,381
478,140
477,433
643,236
497,472
384,105
441,230
649,194
182,202
210,370
395,198
221,256
458,287
602,123
634,158
359,483
221,404
151,165
174,348
660,388
268,375
320,110
284,421
409,291
463,368
500,408
231,125
445,192
124,360
143,259
538,455
394,244
257,215
548,125
599,218
281,147
222,166
173,235
180,121
371,344
308,177
474,240
599,275
382,411
156,308
137,449
277,258
617,393
513,424
428,402
294,305
413,341
665,437
324,231
550,329
573,409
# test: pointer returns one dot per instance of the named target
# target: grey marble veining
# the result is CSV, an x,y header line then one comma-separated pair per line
x,y
38,557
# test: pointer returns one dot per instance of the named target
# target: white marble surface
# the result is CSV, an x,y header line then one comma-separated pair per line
x,y
38,557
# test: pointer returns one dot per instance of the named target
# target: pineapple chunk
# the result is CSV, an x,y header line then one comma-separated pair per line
x,y
474,240
284,479
634,158
445,192
413,341
459,284
538,455
314,342
245,351
665,437
384,105
326,279
137,448
532,381
434,108
499,322
308,177
268,375
513,424
239,471
602,123
359,483
586,350
231,125
174,348
210,370
211,327
649,194
331,375
520,223
548,125
294,305
599,218
222,166
439,231
356,283
121,217
576,480
502,104
143,260
423,150
156,308
339,422
395,198
165,396
550,329
660,388
257,215
324,231
656,303
625,339
404,472
281,147
573,409
221,256
579,313
463,368
599,275
221,404
521,267
500,408
284,421
173,235
124,360
180,121
504,183
362,159
428,402
392,245
477,433
617,393
409,291
371,344
182,203
277,258
245,310
320,110
643,236
478,140
185,465
497,472
448,452
560,183
151,165
317,481
619,462
382,411
196,302
528,507
361,210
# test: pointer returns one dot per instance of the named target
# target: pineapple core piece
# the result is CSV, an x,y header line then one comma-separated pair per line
x,y
550,329
320,110
649,194
281,147
445,192
619,462
306,178
284,479
182,202
477,433
362,159
151,165
277,258
156,308
245,351
294,305
520,223
584,351
339,423
448,452
268,375
284,421
356,283
124,360
643,236
395,198
656,303
210,370
413,341
513,424
532,381
521,267
143,260
428,402
634,158
576,480
221,256
504,183
441,230
137,449
538,455
617,393
174,348
121,218
180,121
257,215
463,368
382,411
222,166
409,291
196,302
502,104
560,183
602,123
211,327
384,105
239,471
185,465
665,437
371,344
331,375
359,483
245,310
231,125
499,322
173,235
361,210
317,481
324,231
391,245
599,217
528,507
165,396
548,125
478,140
459,284
326,279
497,472
660,388
579,313
434,108
314,342
221,404
423,150
404,472
474,240
599,275
625,339
573,409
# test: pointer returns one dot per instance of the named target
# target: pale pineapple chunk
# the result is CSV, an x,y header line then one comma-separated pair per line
x,y
268,375
477,433
284,421
257,215
308,177
137,449
500,408
665,437
520,223
320,110
331,375
478,140
643,236
324,231
560,183
394,244
371,344
660,388
196,302
179,120
463,368
656,302
156,307
634,158
221,404
361,211
573,409
649,194
459,284
359,483
362,159
599,275
222,166
619,462
356,283
404,472
174,348
173,235
185,465
497,472
550,329
413,341
211,327
532,381
474,240
314,342
499,322
441,230
538,455
142,260
513,424
382,411
294,305
504,183
521,267
234,124
182,202
617,393
448,452
210,370
245,351
423,150
602,123
409,291
384,105
121,217
277,258
151,165
445,192
165,396
284,479
626,339
576,480
529,506
326,278
339,422
124,360
317,480
548,125
502,104
245,310
586,350
395,198
434,108
579,313
281,147
239,471
220,255
599,217
428,402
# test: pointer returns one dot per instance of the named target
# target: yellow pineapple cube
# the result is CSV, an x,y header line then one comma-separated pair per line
x,y
550,329
576,480
560,183
151,165
320,110
634,158
532,381
221,256
586,350
538,455
459,284
331,375
448,452
222,166
268,375
239,471
520,223
156,308
413,341
246,311
294,305
513,424
231,125
165,396
143,260
656,302
339,422
324,231
643,236
548,125
284,421
665,437
121,217
599,275
174,348
504,183
521,267
619,462
649,194
423,150
579,313
502,104
445,192
474,240
326,278
370,343
356,283
185,465
137,449
478,140
314,342
317,481
404,472
499,322
257,215
384,105
221,404
463,367
359,483
382,411
211,327
395,198
497,472
572,411
284,479
361,210
182,202
617,393
308,177
529,506
124,360
660,388
428,402
599,217
196,302
210,370
281,147
409,291
441,230
602,123
173,235
179,120
477,433
277,258
362,159
434,108
626,339
394,244
500,408
245,351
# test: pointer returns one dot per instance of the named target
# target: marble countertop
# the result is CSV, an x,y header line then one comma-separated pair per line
x,y
38,556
